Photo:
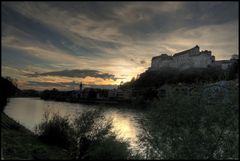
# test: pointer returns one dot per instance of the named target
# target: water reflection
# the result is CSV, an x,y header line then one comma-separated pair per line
x,y
30,112
124,125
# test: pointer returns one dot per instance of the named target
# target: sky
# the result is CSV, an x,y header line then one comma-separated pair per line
x,y
49,45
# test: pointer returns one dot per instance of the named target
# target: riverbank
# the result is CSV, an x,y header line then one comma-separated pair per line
x,y
17,142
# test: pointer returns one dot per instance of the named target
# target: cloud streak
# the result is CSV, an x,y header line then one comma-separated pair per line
x,y
76,73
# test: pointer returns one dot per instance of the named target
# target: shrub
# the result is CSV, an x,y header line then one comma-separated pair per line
x,y
56,130
110,149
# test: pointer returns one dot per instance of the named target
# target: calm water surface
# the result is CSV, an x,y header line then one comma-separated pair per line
x,y
29,112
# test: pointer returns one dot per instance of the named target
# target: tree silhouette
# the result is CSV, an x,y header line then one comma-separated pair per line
x,y
9,88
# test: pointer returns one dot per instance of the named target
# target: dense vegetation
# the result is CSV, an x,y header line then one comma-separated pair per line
x,y
28,93
199,126
88,137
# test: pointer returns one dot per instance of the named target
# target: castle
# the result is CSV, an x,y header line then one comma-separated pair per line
x,y
192,58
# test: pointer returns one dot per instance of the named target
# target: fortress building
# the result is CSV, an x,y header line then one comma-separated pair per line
x,y
192,58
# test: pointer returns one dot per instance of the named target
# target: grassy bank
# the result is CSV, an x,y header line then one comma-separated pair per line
x,y
17,142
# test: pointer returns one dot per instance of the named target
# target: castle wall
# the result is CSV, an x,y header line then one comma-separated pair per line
x,y
223,64
202,61
183,60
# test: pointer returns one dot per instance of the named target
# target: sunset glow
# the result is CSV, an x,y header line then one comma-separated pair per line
x,y
118,39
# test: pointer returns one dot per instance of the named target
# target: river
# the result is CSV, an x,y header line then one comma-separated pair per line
x,y
30,112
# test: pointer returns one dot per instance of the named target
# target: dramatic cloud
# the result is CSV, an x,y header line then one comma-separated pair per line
x,y
112,37
77,73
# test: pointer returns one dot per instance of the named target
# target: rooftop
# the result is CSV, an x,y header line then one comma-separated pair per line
x,y
162,56
194,49
186,51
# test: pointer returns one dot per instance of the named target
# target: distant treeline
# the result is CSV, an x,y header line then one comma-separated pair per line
x,y
56,95
28,93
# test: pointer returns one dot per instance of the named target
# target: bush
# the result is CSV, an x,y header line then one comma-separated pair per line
x,y
56,130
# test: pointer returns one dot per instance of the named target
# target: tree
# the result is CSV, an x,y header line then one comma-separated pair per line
x,y
91,129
